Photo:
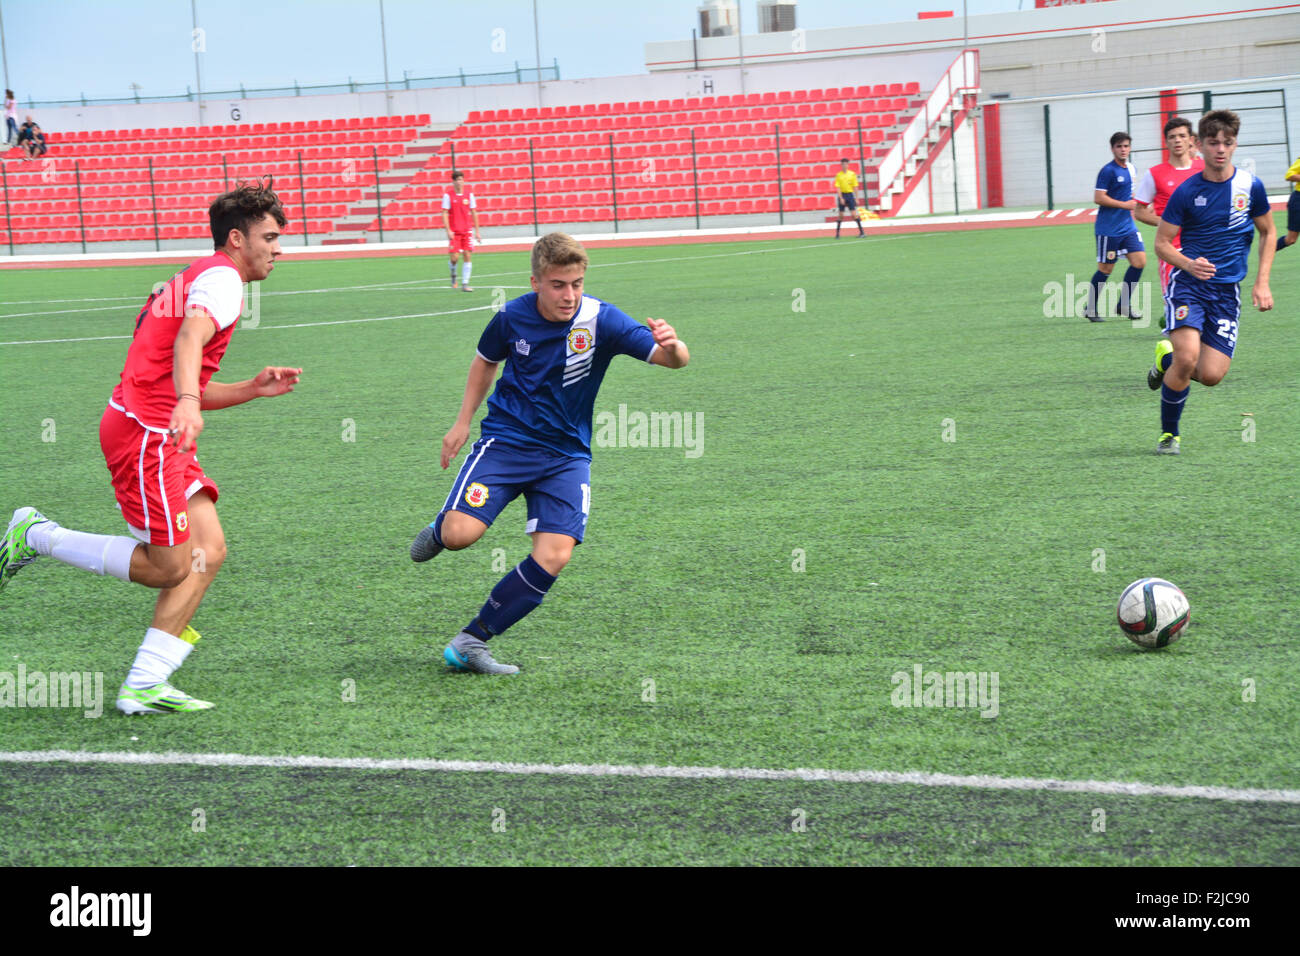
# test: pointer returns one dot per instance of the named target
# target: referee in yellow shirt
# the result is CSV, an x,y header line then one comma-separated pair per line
x,y
1292,209
846,188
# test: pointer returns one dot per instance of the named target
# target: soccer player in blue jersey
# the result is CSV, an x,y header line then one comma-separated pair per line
x,y
1218,210
1116,232
556,344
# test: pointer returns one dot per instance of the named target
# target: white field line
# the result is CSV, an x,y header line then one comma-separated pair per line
x,y
913,778
418,315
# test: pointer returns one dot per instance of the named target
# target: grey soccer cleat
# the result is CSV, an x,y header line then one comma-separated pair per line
x,y
468,653
1168,445
424,546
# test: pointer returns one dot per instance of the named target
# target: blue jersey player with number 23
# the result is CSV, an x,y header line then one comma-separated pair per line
x,y
1218,210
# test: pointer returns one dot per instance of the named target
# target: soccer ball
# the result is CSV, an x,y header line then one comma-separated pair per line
x,y
1152,612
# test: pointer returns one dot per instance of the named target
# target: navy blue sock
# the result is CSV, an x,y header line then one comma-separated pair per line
x,y
521,590
1129,290
437,527
1281,243
1098,281
1171,408
1167,360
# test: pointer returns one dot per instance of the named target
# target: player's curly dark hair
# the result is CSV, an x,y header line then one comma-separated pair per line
x,y
1176,122
246,204
1120,137
1218,121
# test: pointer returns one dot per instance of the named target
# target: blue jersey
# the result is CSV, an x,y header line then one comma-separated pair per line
x,y
1217,221
544,397
1117,181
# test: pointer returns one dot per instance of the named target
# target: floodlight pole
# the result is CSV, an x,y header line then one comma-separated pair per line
x,y
383,41
3,55
198,78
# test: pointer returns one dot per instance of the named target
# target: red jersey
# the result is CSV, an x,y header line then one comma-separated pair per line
x,y
1160,182
147,391
457,206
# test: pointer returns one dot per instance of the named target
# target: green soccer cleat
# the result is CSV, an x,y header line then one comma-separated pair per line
x,y
1168,445
1156,374
159,699
14,552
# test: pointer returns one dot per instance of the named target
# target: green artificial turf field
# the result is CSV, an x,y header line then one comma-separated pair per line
x,y
899,462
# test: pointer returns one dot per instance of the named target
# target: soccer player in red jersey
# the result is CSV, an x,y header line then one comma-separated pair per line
x,y
148,435
1153,192
458,208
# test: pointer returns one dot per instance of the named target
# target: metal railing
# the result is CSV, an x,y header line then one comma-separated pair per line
x,y
520,74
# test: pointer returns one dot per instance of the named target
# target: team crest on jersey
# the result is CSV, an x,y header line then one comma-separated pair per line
x,y
1180,313
1239,202
580,340
476,495
182,521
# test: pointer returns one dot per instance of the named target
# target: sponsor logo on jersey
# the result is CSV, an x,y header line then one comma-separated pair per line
x,y
182,521
580,340
1200,200
476,495
1180,313
522,347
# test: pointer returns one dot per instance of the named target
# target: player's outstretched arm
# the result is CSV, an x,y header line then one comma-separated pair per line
x,y
481,375
1260,294
672,351
271,381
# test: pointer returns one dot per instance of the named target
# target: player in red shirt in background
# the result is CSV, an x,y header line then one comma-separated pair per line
x,y
1160,181
458,208
148,434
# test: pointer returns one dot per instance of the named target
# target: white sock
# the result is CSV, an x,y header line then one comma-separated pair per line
x,y
465,270
158,657
452,266
99,553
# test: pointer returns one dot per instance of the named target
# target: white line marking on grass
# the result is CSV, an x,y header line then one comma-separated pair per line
x,y
267,328
914,778
421,315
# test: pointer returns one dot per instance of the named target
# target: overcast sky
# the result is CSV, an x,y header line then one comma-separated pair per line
x,y
60,49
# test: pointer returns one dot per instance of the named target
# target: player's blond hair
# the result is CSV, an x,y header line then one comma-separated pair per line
x,y
557,249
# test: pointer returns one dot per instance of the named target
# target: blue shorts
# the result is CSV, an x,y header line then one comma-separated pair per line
x,y
1213,308
848,201
1293,212
556,487
1110,248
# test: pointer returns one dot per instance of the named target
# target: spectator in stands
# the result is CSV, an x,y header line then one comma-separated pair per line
x,y
31,139
11,119
846,188
458,208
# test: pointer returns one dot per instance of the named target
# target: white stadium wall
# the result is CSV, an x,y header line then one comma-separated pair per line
x,y
934,191
448,106
1081,128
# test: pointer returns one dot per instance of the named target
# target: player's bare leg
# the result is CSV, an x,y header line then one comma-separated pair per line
x,y
201,558
552,551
